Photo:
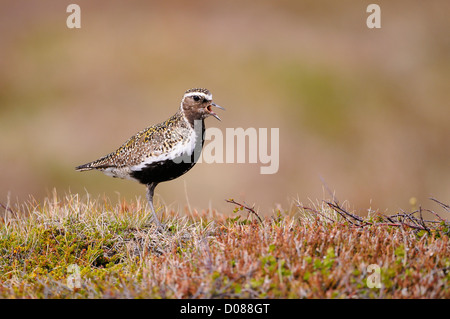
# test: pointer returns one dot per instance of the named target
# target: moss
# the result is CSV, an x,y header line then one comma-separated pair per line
x,y
66,248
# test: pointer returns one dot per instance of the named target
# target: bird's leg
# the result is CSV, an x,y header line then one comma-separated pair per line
x,y
150,191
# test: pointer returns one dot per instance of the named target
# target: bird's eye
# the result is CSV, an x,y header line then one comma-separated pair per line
x,y
196,98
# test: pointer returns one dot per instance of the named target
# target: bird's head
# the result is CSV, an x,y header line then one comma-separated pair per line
x,y
197,104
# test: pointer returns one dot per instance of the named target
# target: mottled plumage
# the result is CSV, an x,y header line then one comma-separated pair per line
x,y
163,151
149,143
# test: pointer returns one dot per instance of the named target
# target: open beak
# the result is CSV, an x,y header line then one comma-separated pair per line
x,y
208,108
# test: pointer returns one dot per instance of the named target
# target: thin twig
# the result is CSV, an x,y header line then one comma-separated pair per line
x,y
8,209
409,216
319,213
445,206
403,219
422,222
358,218
344,213
249,209
335,200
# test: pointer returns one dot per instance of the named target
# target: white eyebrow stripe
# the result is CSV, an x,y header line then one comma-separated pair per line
x,y
206,96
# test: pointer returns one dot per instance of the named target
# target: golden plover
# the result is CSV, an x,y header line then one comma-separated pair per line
x,y
164,151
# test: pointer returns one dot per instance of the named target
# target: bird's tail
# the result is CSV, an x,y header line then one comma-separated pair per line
x,y
84,167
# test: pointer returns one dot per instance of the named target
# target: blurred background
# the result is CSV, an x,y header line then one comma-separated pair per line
x,y
364,110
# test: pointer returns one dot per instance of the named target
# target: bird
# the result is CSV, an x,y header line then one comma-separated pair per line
x,y
164,151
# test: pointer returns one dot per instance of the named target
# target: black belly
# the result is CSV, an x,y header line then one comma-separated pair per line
x,y
162,171
167,170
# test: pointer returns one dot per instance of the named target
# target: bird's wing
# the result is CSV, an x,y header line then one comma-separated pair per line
x,y
149,143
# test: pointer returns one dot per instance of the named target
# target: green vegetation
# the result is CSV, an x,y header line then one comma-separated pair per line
x,y
73,248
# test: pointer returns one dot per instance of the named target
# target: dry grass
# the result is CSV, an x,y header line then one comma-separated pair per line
x,y
312,252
